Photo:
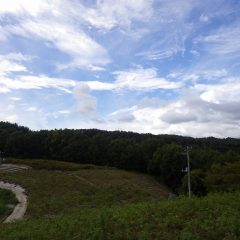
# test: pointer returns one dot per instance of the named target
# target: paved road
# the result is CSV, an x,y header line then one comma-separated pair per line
x,y
20,193
21,207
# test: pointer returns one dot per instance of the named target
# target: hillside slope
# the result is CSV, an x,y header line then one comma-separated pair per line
x,y
53,192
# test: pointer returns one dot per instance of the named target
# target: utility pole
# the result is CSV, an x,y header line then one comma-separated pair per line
x,y
1,158
188,170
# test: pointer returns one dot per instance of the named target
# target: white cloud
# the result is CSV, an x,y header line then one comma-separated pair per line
x,y
35,82
190,115
174,27
32,109
10,63
9,117
97,85
3,89
86,103
26,7
103,15
222,41
22,113
215,9
195,53
18,57
171,27
109,13
52,22
199,73
142,79
139,79
15,98
3,34
228,90
86,53
8,111
157,55
134,79
8,67
64,112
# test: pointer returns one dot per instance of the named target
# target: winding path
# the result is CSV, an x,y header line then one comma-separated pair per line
x,y
21,207
20,193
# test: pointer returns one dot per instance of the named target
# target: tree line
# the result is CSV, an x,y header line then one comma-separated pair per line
x,y
160,155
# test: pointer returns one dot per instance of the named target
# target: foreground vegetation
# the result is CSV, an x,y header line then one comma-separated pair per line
x,y
213,217
7,202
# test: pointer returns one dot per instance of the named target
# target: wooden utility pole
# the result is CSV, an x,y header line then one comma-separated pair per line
x,y
188,170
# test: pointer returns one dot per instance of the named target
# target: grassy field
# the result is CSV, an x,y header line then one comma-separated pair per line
x,y
110,204
54,192
7,201
215,217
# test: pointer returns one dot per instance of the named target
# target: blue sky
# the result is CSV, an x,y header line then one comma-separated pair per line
x,y
145,66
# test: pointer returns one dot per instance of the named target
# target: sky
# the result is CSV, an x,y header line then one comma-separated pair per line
x,y
148,66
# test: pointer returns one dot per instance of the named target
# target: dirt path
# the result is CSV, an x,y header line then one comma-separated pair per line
x,y
12,167
21,196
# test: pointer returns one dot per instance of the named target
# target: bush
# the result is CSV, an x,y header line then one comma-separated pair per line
x,y
223,177
198,187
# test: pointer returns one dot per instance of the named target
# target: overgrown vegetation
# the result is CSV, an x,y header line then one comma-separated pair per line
x,y
210,218
52,193
7,202
223,178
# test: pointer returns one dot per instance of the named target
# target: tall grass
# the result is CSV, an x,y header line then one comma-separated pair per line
x,y
213,217
7,202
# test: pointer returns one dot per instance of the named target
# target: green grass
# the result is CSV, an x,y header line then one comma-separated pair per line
x,y
52,193
7,198
110,204
215,217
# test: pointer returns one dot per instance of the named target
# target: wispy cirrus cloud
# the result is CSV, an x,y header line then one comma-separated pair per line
x,y
12,63
7,67
142,79
27,82
3,34
85,52
17,56
222,41
22,7
48,22
106,15
138,79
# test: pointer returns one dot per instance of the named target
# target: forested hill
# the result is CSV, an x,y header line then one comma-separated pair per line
x,y
161,155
